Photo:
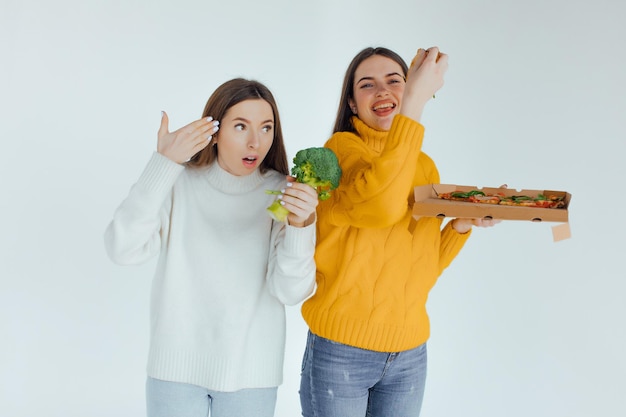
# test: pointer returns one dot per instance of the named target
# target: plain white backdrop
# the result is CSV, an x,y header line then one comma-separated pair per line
x,y
534,97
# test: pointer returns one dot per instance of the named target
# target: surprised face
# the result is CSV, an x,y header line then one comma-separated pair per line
x,y
245,137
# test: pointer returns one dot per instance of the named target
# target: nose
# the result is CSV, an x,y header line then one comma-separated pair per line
x,y
253,140
382,90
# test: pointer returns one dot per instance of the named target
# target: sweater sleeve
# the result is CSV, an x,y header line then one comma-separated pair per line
x,y
451,244
291,267
134,234
377,184
451,241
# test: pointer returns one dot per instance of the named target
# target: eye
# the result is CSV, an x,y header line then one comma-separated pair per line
x,y
266,128
366,85
240,126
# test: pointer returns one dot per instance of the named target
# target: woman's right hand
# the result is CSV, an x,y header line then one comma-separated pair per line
x,y
424,79
182,144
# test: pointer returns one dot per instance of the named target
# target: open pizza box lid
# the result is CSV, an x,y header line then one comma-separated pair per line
x,y
427,203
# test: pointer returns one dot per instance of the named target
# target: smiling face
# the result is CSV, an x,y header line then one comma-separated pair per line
x,y
377,91
245,136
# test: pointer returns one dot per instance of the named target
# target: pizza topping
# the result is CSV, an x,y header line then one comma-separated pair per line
x,y
477,196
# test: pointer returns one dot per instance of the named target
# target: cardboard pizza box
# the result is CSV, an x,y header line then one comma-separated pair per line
x,y
427,203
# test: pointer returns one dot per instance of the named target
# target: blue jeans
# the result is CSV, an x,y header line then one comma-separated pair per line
x,y
343,381
176,399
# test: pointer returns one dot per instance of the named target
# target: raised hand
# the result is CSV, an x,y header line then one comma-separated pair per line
x,y
424,79
182,144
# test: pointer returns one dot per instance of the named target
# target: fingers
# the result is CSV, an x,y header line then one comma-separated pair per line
x,y
463,225
300,194
197,134
202,127
164,128
207,129
434,54
300,199
424,79
486,222
199,145
418,59
182,144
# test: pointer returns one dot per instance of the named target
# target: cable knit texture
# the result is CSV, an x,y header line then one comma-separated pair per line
x,y
375,263
225,271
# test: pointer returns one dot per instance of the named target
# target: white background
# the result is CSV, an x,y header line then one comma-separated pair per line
x,y
534,97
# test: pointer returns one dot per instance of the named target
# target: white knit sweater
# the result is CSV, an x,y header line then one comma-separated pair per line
x,y
224,273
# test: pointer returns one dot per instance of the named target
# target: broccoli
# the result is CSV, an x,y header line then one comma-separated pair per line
x,y
317,167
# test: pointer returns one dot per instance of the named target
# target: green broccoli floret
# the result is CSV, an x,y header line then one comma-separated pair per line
x,y
317,167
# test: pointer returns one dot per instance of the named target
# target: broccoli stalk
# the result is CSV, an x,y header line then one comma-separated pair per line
x,y
317,167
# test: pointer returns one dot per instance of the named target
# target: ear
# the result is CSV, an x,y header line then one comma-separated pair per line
x,y
214,139
352,105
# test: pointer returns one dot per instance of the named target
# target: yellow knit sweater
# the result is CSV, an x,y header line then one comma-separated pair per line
x,y
375,263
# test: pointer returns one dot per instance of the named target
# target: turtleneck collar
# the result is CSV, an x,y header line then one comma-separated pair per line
x,y
232,184
373,138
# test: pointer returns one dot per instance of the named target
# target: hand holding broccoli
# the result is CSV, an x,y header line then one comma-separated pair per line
x,y
297,202
316,167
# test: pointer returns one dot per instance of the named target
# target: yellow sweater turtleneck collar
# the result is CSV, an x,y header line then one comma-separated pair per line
x,y
375,139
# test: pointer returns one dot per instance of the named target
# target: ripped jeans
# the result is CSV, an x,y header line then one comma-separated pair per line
x,y
343,381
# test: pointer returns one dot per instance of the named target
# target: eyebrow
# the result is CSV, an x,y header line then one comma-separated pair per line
x,y
388,75
243,119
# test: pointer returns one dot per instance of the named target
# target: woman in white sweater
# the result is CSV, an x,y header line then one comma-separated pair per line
x,y
225,268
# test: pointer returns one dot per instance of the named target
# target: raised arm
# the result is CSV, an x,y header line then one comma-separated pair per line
x,y
374,186
133,235
424,79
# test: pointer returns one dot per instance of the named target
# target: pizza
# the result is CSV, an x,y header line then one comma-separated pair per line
x,y
477,196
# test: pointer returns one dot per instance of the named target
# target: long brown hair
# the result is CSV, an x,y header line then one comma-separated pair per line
x,y
343,122
226,96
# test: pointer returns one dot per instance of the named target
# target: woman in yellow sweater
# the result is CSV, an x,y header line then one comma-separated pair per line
x,y
366,349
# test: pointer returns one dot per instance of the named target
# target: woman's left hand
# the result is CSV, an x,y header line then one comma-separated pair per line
x,y
301,200
464,225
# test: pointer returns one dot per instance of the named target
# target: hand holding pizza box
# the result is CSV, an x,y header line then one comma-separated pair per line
x,y
462,201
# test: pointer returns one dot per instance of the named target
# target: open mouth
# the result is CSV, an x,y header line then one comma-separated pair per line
x,y
249,160
383,107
